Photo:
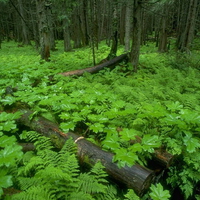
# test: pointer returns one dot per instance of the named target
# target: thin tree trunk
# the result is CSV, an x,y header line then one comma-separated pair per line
x,y
25,38
66,35
113,50
84,24
162,46
128,26
42,6
135,49
187,26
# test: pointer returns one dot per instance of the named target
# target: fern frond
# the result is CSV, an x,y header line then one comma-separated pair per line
x,y
90,185
49,157
36,163
69,147
99,173
110,194
40,142
80,196
70,165
54,174
25,183
35,193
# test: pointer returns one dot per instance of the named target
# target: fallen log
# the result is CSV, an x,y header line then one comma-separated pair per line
x,y
136,177
27,147
109,64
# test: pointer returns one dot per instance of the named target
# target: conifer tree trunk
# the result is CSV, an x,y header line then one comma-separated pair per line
x,y
44,32
66,35
128,26
66,29
162,46
25,35
84,23
187,24
137,22
113,50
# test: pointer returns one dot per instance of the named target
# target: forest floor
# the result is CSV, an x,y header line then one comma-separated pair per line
x,y
159,105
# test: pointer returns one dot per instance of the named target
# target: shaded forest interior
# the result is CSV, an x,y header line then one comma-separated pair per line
x,y
142,124
88,22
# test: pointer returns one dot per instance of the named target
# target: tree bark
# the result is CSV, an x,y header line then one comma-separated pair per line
x,y
66,35
25,38
162,46
127,26
44,32
187,25
136,177
109,64
137,23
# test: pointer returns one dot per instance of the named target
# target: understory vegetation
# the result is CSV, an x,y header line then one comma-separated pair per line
x,y
159,105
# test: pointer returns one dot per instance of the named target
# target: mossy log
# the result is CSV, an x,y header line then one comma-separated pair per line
x,y
108,64
136,177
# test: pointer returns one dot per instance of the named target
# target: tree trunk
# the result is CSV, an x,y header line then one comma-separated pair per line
x,y
127,26
162,46
66,35
187,25
136,177
135,49
84,23
113,50
25,38
42,7
122,24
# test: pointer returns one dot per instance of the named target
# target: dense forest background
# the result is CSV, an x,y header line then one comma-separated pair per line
x,y
87,22
139,115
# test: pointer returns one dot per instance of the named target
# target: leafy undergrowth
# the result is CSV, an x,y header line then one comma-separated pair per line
x,y
159,105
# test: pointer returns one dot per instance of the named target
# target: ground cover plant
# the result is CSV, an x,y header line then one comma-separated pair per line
x,y
159,105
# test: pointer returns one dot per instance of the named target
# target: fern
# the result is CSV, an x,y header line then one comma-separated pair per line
x,y
40,192
55,175
40,142
80,196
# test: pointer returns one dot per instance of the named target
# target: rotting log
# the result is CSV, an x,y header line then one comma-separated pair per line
x,y
163,158
27,147
136,177
109,64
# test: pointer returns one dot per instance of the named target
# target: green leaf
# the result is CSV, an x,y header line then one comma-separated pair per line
x,y
5,180
7,141
8,100
149,142
136,147
191,143
174,106
66,126
127,157
9,125
119,104
9,116
111,141
97,127
65,116
128,134
10,154
157,192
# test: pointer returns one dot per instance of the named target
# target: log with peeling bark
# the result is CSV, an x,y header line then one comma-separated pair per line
x,y
109,64
136,177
